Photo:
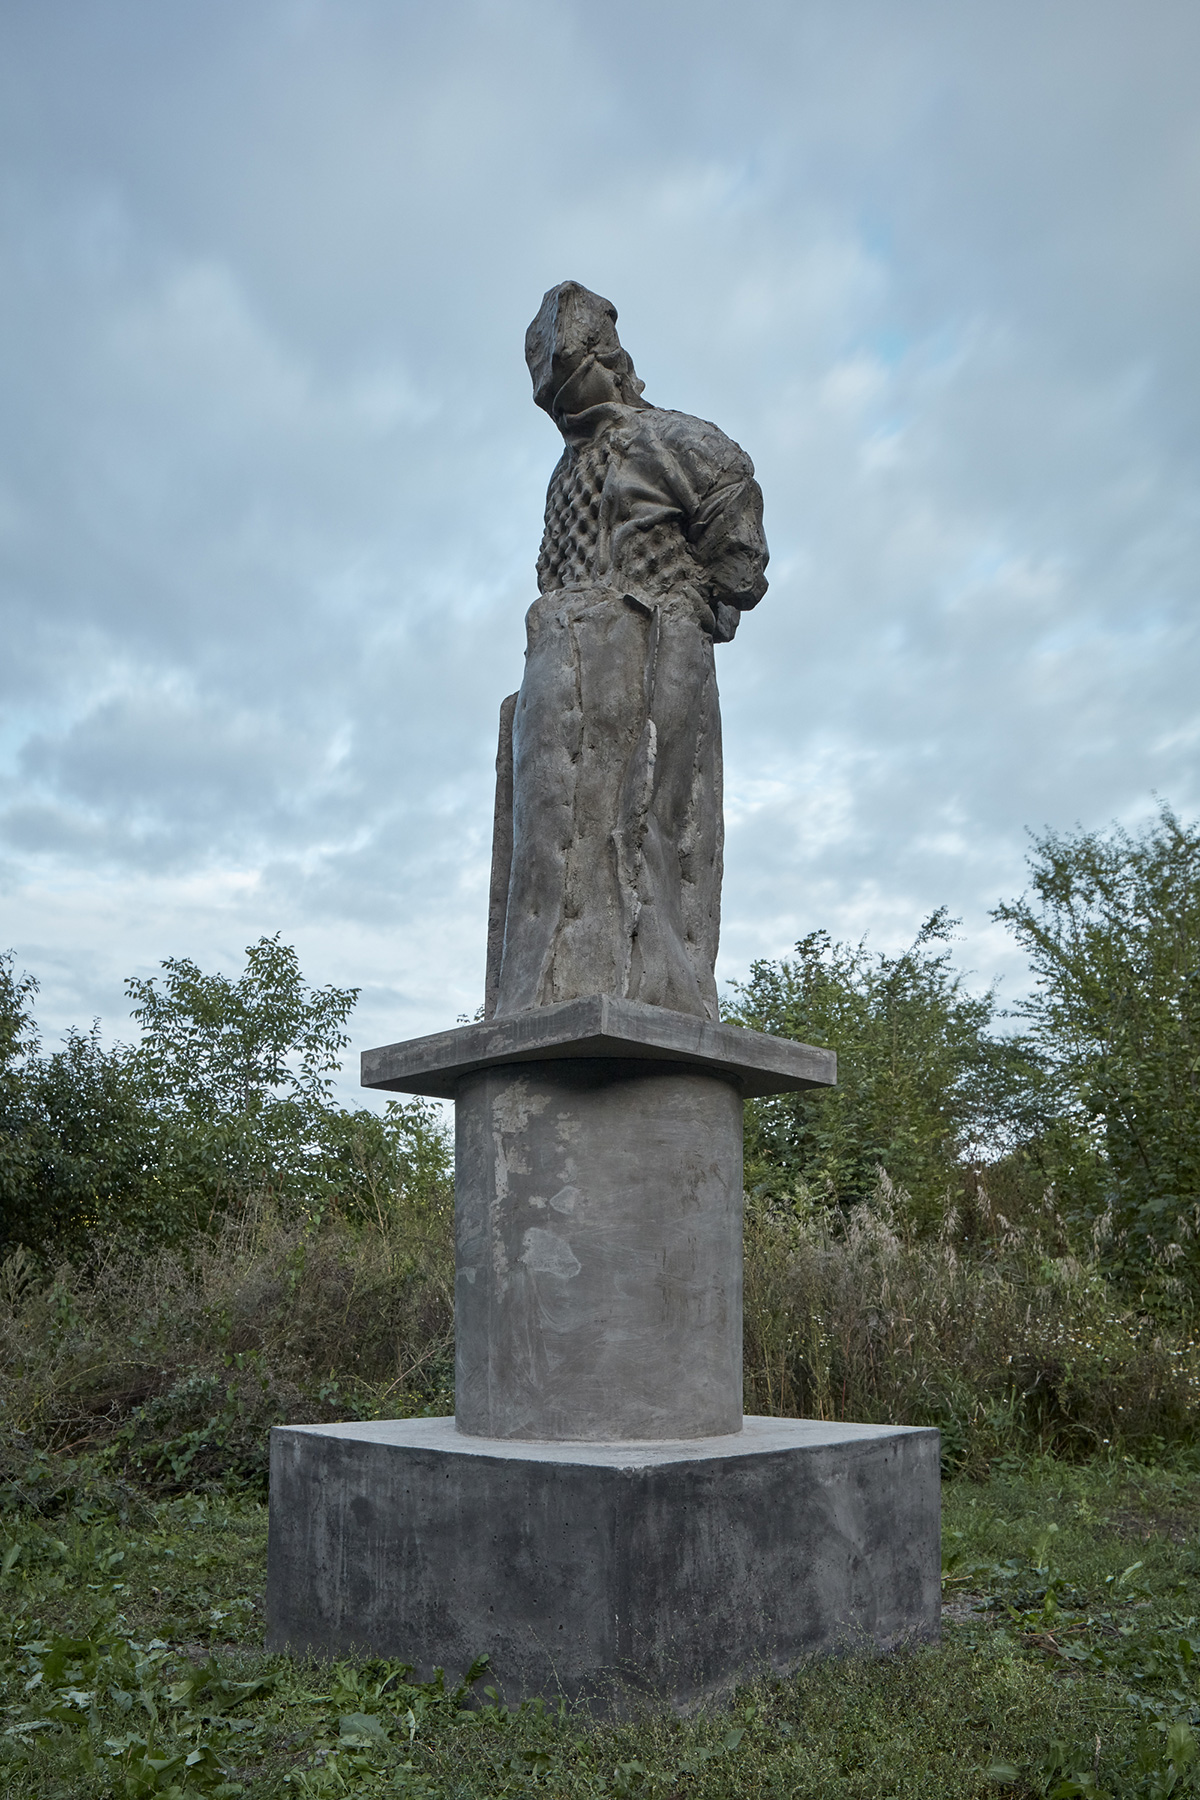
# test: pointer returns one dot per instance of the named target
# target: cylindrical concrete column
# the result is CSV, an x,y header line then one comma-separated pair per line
x,y
599,1251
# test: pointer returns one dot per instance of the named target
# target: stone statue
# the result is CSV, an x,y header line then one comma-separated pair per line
x,y
599,1518
606,873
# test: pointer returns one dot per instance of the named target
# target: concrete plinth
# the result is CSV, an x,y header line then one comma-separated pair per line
x,y
604,1522
599,1570
598,1198
600,1025
599,1255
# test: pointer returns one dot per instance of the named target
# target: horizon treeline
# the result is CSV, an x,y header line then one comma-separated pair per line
x,y
1088,1093
226,1098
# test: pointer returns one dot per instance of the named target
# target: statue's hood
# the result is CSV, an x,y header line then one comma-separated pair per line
x,y
574,333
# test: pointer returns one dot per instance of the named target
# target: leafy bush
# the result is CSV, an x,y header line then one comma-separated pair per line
x,y
200,1243
80,1150
925,1088
1112,931
225,1099
179,1360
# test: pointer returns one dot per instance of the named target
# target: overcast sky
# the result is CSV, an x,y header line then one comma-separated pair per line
x,y
271,481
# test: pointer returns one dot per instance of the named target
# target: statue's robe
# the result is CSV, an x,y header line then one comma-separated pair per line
x,y
607,857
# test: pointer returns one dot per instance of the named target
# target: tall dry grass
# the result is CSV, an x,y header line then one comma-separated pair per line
x,y
179,1361
174,1365
1006,1339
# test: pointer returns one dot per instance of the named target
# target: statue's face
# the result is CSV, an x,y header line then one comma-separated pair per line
x,y
573,327
549,366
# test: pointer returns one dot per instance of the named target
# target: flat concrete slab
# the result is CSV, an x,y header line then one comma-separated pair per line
x,y
599,1026
603,1571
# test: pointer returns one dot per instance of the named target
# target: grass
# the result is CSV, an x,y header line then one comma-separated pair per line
x,y
130,1666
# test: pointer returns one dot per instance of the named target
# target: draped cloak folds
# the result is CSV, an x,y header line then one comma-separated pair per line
x,y
607,854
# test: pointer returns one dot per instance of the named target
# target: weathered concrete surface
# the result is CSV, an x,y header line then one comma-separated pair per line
x,y
599,1197
502,844
599,1026
592,1570
617,826
599,1252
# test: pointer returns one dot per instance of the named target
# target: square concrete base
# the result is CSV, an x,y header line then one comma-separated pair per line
x,y
590,1570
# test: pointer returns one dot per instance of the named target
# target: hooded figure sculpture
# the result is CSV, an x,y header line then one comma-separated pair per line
x,y
606,863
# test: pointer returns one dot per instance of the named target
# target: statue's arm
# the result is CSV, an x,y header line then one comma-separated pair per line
x,y
726,535
721,504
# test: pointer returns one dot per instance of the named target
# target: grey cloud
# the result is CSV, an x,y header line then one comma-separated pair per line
x,y
270,480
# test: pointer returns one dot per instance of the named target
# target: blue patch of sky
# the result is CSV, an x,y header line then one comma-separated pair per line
x,y
889,345
18,724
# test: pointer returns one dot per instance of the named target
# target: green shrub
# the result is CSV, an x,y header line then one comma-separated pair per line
x,y
1112,931
226,1099
179,1360
925,1088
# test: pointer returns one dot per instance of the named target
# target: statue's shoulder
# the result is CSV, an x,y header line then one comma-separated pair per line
x,y
702,446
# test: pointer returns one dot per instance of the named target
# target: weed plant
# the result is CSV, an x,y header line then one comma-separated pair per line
x,y
178,1361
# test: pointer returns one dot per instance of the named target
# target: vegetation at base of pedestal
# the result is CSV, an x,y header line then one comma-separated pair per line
x,y
1007,1338
996,1234
177,1361
200,1242
130,1666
